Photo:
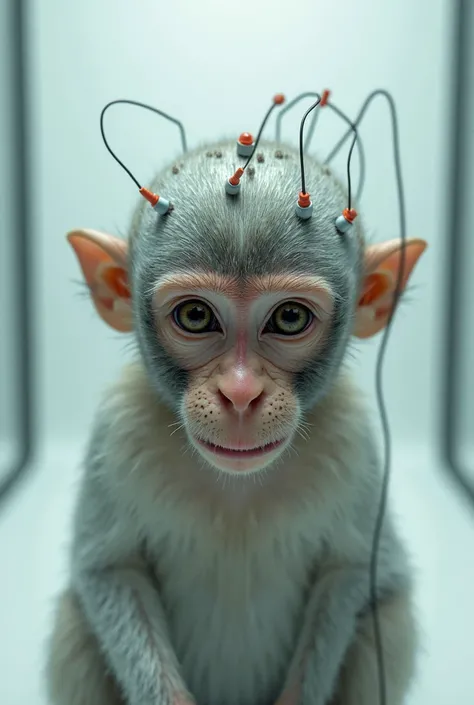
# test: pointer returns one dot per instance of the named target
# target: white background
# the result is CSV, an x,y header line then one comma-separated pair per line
x,y
216,65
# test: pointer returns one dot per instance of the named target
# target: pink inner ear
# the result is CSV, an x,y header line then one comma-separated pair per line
x,y
377,299
103,262
112,247
116,280
375,286
90,257
387,256
107,303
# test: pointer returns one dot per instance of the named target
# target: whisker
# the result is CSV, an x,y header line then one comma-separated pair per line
x,y
184,448
292,449
302,433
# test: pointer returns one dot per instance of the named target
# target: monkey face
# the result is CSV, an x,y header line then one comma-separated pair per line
x,y
242,311
241,344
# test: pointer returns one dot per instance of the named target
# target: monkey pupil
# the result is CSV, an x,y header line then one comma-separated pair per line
x,y
196,314
291,315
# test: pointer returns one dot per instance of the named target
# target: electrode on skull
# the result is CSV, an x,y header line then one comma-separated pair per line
x,y
246,148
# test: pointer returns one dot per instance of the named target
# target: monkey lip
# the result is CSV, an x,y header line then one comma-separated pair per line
x,y
240,452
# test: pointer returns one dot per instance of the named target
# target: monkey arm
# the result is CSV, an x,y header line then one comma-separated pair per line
x,y
358,682
336,650
331,656
121,603
329,627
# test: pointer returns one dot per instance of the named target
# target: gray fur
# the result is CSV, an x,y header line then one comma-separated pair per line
x,y
184,589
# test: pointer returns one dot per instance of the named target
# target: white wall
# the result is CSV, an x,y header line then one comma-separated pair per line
x,y
217,72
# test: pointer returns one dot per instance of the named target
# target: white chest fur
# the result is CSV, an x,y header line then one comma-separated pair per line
x,y
234,597
235,559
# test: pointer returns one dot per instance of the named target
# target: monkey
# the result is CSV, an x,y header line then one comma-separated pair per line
x,y
223,526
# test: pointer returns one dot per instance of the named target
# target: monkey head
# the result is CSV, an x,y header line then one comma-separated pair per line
x,y
242,312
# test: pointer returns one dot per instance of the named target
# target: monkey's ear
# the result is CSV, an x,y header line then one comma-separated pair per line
x,y
103,260
382,265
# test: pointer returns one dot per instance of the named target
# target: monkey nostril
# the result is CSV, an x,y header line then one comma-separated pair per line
x,y
257,401
241,401
225,401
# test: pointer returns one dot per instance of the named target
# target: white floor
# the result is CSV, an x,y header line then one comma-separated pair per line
x,y
34,532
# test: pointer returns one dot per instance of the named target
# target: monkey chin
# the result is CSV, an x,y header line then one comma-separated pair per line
x,y
242,461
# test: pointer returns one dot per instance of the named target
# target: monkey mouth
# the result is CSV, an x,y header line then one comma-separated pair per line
x,y
240,452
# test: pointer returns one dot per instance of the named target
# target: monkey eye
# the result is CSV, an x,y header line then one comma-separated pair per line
x,y
289,318
195,317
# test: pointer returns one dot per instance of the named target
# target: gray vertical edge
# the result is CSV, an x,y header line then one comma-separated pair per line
x,y
23,251
455,246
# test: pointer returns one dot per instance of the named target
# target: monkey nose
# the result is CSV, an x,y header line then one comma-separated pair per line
x,y
240,390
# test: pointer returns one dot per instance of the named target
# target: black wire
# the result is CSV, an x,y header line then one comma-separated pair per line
x,y
288,106
337,148
353,128
147,107
379,388
349,182
360,186
311,130
303,119
257,139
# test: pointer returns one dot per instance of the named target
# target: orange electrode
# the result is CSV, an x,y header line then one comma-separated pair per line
x,y
304,200
235,179
246,139
349,214
325,98
151,197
